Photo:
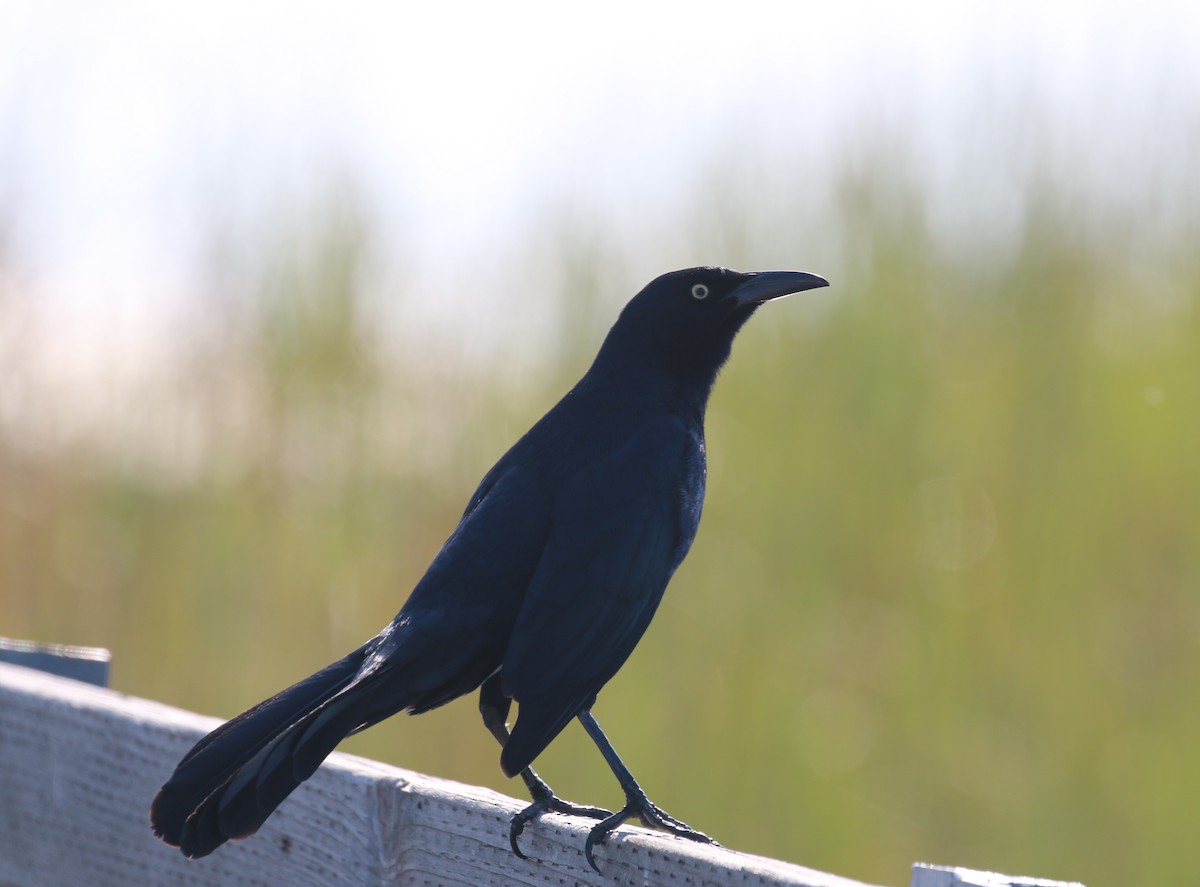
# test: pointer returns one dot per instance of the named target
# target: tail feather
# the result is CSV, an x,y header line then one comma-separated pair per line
x,y
242,804
234,777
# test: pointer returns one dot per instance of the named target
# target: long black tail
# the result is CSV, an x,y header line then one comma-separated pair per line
x,y
234,777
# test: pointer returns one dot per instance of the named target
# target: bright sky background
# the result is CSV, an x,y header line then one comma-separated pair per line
x,y
125,123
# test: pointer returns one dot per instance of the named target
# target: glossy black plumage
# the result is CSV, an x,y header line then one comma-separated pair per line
x,y
540,593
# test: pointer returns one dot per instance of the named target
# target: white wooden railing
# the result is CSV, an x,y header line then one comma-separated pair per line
x,y
79,765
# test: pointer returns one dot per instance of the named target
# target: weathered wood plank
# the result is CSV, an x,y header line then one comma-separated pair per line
x,y
925,875
79,766
87,664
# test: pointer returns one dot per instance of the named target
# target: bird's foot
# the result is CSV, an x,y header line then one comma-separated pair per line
x,y
638,806
545,801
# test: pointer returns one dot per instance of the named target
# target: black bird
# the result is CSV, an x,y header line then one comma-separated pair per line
x,y
539,595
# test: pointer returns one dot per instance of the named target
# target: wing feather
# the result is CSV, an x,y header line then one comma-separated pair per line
x,y
619,529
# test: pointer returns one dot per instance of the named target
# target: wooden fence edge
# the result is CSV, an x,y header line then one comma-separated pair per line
x,y
926,875
80,764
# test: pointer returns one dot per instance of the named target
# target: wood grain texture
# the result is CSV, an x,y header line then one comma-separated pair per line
x,y
79,766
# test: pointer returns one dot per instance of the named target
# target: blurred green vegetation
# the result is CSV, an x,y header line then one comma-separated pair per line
x,y
944,604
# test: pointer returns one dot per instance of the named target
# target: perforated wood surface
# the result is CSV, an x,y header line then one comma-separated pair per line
x,y
79,766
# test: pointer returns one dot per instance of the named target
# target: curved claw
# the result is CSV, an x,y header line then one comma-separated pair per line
x,y
599,834
640,807
516,825
548,804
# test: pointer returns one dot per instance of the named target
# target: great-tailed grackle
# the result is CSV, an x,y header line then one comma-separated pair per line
x,y
541,592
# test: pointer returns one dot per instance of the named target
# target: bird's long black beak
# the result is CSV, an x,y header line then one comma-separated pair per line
x,y
766,285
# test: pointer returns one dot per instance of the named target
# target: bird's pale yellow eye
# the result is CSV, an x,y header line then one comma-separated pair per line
x,y
699,291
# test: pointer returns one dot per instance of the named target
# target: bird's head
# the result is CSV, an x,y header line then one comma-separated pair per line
x,y
683,323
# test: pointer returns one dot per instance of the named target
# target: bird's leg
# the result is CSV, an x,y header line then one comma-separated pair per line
x,y
637,805
494,706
